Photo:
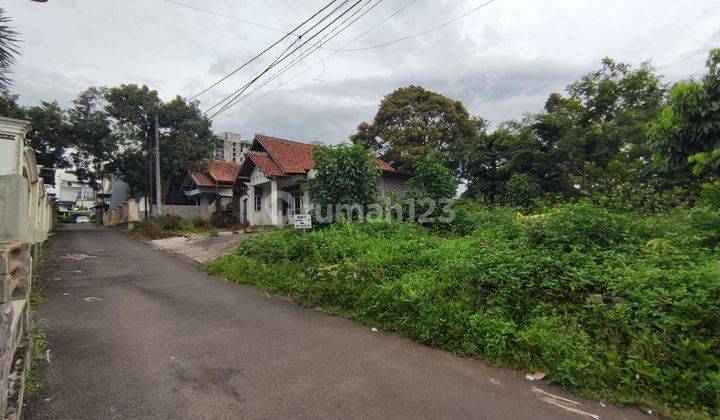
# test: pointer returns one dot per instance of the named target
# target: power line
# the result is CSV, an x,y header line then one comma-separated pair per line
x,y
231,97
308,52
343,49
393,14
283,58
210,12
241,90
451,21
297,60
265,50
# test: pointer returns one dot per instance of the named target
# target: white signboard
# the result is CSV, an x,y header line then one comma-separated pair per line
x,y
303,221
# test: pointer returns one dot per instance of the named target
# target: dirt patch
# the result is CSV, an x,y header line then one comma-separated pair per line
x,y
201,248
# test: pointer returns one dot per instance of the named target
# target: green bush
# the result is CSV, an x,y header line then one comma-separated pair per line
x,y
151,228
169,221
521,190
612,305
710,195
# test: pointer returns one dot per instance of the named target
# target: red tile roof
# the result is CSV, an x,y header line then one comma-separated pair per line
x,y
384,166
265,163
202,180
293,157
219,172
288,157
223,171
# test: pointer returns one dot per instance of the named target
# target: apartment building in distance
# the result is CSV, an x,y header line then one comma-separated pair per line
x,y
231,148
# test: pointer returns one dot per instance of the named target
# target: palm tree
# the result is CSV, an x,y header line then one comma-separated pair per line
x,y
8,50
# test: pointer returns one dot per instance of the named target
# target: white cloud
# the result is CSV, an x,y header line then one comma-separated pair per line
x,y
501,61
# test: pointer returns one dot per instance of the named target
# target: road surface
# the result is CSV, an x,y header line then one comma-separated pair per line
x,y
135,332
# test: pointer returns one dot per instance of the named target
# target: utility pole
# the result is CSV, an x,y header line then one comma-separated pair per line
x,y
158,195
148,172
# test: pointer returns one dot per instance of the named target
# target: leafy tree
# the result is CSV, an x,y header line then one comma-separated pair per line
x,y
346,175
186,139
522,189
687,135
9,107
481,159
412,122
8,50
133,109
49,135
431,184
604,119
94,144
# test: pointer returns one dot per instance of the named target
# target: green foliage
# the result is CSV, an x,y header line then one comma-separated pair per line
x,y
521,190
710,195
430,178
94,146
432,186
186,139
345,175
9,106
8,50
169,221
38,359
49,135
168,225
595,138
612,305
413,122
686,135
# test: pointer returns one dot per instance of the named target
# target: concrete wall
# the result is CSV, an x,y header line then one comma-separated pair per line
x,y
202,211
25,219
132,212
25,208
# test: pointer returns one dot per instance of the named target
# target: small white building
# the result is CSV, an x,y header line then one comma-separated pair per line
x,y
72,194
276,173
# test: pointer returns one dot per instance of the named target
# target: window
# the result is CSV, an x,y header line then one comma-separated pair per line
x,y
293,205
297,202
258,202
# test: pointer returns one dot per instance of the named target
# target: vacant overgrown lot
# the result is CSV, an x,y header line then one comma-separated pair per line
x,y
612,305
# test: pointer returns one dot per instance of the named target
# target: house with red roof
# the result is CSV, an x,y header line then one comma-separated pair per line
x,y
275,175
217,182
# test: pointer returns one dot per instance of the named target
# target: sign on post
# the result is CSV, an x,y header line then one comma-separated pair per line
x,y
302,221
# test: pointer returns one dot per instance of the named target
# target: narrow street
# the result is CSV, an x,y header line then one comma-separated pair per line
x,y
135,332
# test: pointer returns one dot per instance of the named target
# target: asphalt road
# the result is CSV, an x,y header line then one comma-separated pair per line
x,y
135,332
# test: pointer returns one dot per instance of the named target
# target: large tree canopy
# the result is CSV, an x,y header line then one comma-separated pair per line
x,y
49,135
109,132
687,133
186,139
591,140
413,122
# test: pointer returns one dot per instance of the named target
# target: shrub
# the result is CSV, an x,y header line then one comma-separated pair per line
x,y
169,221
710,195
151,228
521,189
346,175
431,186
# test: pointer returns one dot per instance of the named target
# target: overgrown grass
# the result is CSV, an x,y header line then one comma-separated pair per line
x,y
611,305
166,226
34,380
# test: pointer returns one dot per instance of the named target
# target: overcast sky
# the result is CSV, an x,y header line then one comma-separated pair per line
x,y
500,62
